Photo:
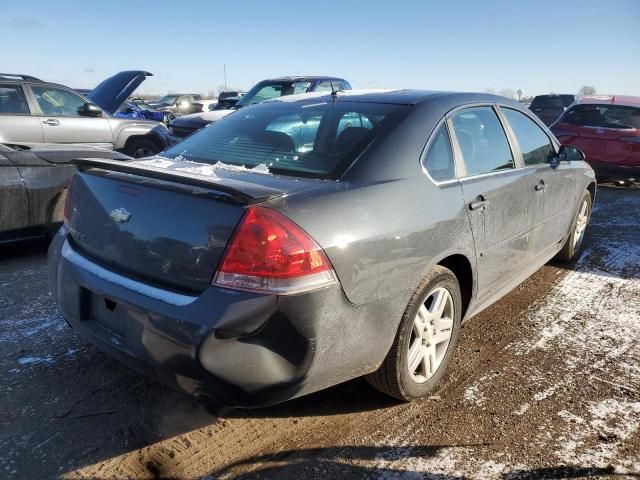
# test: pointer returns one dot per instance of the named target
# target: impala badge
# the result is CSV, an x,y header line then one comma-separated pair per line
x,y
120,215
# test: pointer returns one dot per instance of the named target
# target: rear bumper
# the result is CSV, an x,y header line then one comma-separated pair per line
x,y
243,349
604,170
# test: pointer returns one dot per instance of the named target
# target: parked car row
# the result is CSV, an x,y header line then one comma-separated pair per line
x,y
265,90
35,111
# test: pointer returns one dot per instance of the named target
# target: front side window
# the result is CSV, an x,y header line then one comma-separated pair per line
x,y
12,100
534,144
57,102
482,141
291,138
439,158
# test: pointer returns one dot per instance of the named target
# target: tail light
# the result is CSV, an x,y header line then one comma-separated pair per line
x,y
271,254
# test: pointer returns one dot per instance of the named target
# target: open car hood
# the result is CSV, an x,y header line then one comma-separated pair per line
x,y
113,91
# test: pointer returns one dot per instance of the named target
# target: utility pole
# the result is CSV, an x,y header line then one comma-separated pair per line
x,y
225,77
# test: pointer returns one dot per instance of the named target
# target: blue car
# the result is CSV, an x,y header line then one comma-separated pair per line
x,y
131,109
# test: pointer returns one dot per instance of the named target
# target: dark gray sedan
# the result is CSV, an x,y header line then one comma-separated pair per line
x,y
304,242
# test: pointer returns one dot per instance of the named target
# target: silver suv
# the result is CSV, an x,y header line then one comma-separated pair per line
x,y
34,111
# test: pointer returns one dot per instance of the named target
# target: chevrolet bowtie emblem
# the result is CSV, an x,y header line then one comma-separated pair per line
x,y
120,215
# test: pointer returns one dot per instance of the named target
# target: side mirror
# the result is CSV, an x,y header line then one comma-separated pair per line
x,y
90,110
568,154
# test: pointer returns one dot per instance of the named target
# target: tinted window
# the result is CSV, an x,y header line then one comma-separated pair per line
x,y
12,100
482,141
301,128
57,102
291,138
326,86
265,91
552,101
534,144
439,158
603,116
354,120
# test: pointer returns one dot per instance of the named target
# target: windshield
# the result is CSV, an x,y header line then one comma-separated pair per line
x,y
168,100
267,90
318,140
603,116
552,101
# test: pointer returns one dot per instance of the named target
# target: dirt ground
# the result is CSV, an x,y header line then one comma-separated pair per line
x,y
544,384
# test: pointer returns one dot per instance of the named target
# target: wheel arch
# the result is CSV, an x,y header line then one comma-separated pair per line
x,y
461,267
592,191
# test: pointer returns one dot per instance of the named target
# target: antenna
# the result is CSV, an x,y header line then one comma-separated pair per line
x,y
224,66
334,92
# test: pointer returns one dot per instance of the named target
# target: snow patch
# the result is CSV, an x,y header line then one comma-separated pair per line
x,y
35,360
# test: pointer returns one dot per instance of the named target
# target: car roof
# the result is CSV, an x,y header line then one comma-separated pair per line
x,y
398,97
626,100
301,78
552,95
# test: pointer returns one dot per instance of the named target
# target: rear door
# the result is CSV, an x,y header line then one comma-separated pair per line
x,y
553,184
17,124
61,122
13,199
497,194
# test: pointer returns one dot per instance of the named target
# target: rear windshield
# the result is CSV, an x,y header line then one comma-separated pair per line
x,y
603,116
315,140
552,101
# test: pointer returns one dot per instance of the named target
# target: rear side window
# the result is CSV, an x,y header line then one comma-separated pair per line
x,y
12,100
482,141
292,138
602,116
439,158
534,144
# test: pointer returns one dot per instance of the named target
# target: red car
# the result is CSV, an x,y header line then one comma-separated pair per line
x,y
607,130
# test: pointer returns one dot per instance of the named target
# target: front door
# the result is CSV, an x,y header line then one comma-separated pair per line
x,y
61,122
494,190
554,186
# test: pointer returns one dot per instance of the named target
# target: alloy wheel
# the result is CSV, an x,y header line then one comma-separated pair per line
x,y
430,335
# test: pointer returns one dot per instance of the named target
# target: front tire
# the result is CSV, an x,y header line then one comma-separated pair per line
x,y
571,249
425,340
141,148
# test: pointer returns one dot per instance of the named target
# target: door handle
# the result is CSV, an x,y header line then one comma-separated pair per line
x,y
540,186
52,122
478,203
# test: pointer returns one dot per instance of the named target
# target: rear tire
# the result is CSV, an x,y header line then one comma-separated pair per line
x,y
571,249
429,329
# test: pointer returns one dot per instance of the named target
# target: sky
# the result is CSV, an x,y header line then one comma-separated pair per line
x,y
538,46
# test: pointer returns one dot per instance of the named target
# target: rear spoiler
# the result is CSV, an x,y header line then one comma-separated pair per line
x,y
242,191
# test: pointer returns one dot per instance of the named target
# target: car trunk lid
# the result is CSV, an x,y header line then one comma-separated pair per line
x,y
162,226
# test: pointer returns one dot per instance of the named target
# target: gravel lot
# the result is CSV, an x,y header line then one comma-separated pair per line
x,y
545,384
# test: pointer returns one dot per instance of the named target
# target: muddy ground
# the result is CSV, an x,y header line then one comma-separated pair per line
x,y
545,384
